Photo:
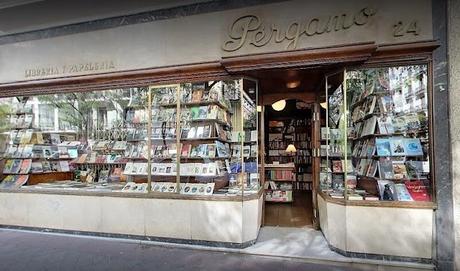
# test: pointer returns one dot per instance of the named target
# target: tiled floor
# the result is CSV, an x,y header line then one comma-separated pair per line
x,y
296,214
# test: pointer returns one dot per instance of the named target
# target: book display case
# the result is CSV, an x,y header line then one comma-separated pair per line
x,y
189,138
378,129
32,156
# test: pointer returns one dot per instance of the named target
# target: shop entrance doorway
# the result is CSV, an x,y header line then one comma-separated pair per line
x,y
290,121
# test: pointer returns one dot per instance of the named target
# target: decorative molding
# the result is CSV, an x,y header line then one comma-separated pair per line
x,y
138,18
301,58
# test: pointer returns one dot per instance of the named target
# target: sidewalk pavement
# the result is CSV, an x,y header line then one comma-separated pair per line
x,y
27,250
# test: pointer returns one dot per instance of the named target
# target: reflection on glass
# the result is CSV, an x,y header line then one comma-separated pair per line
x,y
388,127
192,138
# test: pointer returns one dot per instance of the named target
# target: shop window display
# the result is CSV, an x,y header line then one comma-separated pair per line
x,y
190,139
377,135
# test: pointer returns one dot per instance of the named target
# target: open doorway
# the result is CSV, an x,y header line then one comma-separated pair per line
x,y
288,164
292,115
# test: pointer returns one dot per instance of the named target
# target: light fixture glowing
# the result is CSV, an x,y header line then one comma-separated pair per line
x,y
323,105
279,105
291,149
293,84
259,108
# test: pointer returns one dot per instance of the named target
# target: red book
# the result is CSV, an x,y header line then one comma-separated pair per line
x,y
418,190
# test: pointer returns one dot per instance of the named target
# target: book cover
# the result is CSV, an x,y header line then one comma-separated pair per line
x,y
413,147
399,170
402,193
197,95
46,166
8,166
397,146
386,104
203,112
369,126
64,166
387,190
415,169
337,166
192,133
55,139
186,148
418,190
73,152
16,166
8,182
337,182
206,131
36,167
195,112
25,166
385,167
372,169
351,182
199,132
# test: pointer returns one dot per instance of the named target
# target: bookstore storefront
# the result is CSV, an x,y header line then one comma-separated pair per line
x,y
157,130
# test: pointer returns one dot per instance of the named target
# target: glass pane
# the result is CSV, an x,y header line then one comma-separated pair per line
x,y
205,128
163,164
388,125
334,142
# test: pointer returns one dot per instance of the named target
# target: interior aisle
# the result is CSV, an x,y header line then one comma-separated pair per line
x,y
296,214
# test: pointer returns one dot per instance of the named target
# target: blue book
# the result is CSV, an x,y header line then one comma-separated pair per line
x,y
383,146
397,146
413,147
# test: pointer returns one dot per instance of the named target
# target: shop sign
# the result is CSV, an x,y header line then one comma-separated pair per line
x,y
252,30
70,69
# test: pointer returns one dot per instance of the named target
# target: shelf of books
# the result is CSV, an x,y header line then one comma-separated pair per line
x,y
32,156
279,182
191,138
387,137
281,133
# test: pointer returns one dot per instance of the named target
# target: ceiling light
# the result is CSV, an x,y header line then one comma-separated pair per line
x,y
293,84
279,105
259,108
323,105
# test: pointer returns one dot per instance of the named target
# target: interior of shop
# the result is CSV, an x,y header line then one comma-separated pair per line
x,y
289,97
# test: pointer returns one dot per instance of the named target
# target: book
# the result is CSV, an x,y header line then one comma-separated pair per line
x,y
197,95
416,170
55,139
337,166
103,176
192,133
418,190
25,166
385,167
397,146
337,182
64,166
203,112
387,190
199,132
402,193
16,166
36,167
413,147
399,170
385,126
8,166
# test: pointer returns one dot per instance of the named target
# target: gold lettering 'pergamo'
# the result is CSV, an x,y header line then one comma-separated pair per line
x,y
250,29
69,69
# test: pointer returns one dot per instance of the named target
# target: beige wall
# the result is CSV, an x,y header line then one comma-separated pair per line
x,y
405,232
200,38
218,221
454,99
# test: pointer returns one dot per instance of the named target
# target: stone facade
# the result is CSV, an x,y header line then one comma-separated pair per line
x,y
454,87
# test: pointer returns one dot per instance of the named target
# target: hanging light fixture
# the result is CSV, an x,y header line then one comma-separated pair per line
x,y
323,105
279,105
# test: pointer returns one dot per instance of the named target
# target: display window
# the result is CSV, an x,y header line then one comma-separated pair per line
x,y
376,141
197,139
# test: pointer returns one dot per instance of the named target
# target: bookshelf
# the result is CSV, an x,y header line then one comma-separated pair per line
x,y
283,131
33,156
279,182
382,132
